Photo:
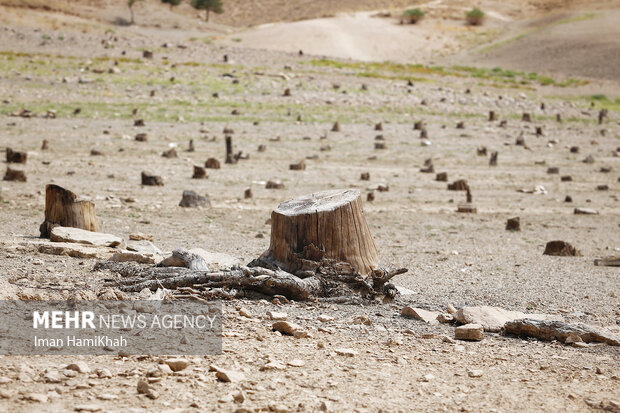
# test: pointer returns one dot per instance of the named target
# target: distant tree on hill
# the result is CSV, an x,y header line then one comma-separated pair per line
x,y
214,6
172,3
130,4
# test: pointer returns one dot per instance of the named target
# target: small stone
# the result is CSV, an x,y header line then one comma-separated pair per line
x,y
191,199
445,318
273,315
296,363
420,314
88,408
36,397
177,364
513,224
81,236
561,249
325,318
244,312
227,376
285,327
475,373
145,388
80,367
450,309
428,377
348,352
471,332
585,211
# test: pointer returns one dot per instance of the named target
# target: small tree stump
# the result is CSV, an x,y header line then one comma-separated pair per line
x,y
230,157
379,126
170,153
15,175
566,178
275,184
248,193
568,199
419,125
199,173
539,131
336,127
482,151
138,122
365,176
526,117
212,163
151,180
380,145
492,116
459,185
467,209
441,177
561,249
602,114
15,156
44,145
370,197
191,147
574,149
469,197
63,208
329,224
428,170
503,123
141,137
493,159
513,224
300,166
95,152
460,125
262,148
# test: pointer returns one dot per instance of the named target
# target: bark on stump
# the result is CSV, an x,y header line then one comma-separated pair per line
x,y
63,208
329,224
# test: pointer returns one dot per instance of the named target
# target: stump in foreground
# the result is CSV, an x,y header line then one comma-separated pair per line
x,y
320,247
63,208
329,224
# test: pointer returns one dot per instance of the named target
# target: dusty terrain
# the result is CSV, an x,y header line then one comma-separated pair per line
x,y
398,364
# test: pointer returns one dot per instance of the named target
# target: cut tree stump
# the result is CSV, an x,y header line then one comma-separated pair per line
x,y
321,248
151,180
328,224
212,163
63,208
230,157
15,175
300,166
199,173
15,156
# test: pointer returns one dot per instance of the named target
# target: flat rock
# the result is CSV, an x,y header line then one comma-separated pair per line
x,y
184,258
420,314
74,250
143,247
216,260
79,366
470,332
227,376
348,352
177,364
80,236
560,331
130,256
607,262
191,199
493,319
285,327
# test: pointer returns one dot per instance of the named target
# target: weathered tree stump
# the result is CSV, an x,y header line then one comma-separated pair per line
x,y
370,197
365,176
230,157
45,145
199,173
300,166
492,116
15,156
262,148
191,199
526,117
574,149
336,127
513,224
248,193
419,125
561,249
459,185
380,145
328,224
141,137
275,184
602,114
15,175
441,177
151,180
379,126
493,159
191,147
63,208
170,153
212,163
460,125
553,170
138,122
539,131
482,151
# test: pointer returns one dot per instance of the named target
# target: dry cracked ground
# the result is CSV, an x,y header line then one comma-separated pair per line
x,y
362,358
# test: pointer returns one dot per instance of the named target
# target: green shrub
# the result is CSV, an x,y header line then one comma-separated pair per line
x,y
474,17
412,16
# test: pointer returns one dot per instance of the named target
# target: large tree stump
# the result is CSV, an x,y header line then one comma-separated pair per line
x,y
329,224
63,208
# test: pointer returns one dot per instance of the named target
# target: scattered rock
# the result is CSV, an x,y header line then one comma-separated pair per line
x,y
227,376
199,173
585,211
348,352
15,175
170,153
192,200
558,330
273,315
212,163
275,184
15,156
297,166
493,318
81,236
145,388
177,364
184,258
420,314
287,328
471,332
608,262
79,366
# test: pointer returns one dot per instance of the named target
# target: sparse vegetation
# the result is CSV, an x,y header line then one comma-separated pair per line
x,y
209,6
475,17
412,16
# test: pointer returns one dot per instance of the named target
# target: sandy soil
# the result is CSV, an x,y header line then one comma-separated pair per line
x,y
461,259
